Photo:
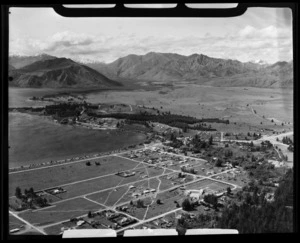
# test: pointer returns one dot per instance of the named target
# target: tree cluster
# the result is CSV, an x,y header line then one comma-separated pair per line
x,y
287,140
29,198
63,110
167,118
199,144
256,215
211,199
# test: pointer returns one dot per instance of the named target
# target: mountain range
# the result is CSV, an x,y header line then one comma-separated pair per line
x,y
163,67
198,68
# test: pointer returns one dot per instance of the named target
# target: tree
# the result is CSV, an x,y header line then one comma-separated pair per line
x,y
90,214
26,192
210,142
173,137
18,192
158,201
228,190
211,199
31,192
140,203
88,163
181,226
185,129
186,205
219,162
42,202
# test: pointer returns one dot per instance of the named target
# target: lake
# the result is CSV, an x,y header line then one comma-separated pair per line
x,y
37,139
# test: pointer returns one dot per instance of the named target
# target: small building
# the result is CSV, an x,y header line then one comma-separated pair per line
x,y
14,230
195,196
80,222
269,197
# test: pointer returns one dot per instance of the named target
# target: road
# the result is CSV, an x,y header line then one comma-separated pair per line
x,y
271,138
148,220
27,223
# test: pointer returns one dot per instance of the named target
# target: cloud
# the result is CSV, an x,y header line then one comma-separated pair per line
x,y
270,43
69,39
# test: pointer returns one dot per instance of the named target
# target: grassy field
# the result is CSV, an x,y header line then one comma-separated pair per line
x,y
90,186
63,174
208,185
100,197
15,223
239,179
139,186
62,211
233,103
207,168
168,204
116,195
166,183
154,183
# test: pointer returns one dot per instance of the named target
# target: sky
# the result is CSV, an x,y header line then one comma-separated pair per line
x,y
259,34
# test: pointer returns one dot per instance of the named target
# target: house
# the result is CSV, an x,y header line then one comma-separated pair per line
x,y
111,215
155,222
269,197
195,196
124,208
80,222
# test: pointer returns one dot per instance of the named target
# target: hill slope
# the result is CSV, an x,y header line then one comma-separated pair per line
x,y
58,73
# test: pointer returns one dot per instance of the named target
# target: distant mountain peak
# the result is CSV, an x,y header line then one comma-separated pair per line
x,y
260,62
